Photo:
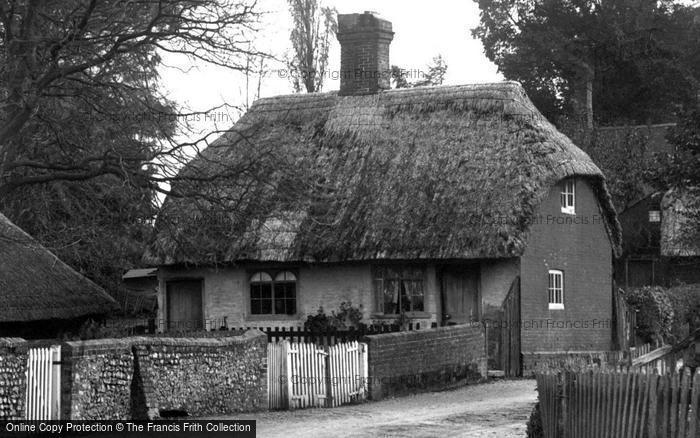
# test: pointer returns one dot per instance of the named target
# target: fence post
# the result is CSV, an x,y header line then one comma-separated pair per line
x,y
564,391
329,381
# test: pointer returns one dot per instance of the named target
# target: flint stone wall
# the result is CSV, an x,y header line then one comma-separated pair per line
x,y
203,376
13,365
96,379
141,377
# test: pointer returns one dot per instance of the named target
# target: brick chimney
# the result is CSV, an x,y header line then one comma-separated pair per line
x,y
364,53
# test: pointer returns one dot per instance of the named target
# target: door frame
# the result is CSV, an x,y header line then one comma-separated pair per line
x,y
440,271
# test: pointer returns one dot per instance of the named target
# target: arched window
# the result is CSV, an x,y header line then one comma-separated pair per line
x,y
273,297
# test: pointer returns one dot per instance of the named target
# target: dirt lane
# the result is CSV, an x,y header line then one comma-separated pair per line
x,y
498,410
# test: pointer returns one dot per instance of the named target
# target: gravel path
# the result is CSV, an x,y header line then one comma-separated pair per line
x,y
499,410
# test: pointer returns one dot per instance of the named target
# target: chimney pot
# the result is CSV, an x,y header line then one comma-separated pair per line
x,y
364,53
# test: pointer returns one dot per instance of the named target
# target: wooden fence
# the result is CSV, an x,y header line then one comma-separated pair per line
x,y
303,375
624,404
510,332
328,337
625,317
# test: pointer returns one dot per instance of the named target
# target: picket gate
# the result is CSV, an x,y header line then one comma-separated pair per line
x,y
304,375
43,392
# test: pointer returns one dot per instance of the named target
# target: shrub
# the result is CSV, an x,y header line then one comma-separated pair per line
x,y
654,313
534,423
347,317
685,300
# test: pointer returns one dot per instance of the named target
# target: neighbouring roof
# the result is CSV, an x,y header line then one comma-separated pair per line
x,y
680,236
36,285
140,273
432,173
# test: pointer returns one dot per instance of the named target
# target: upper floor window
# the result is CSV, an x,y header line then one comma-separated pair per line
x,y
654,216
568,196
398,289
556,289
273,295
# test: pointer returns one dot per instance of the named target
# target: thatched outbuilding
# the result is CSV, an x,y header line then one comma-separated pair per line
x,y
427,203
38,292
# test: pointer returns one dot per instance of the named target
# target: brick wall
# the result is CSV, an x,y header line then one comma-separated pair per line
x,y
427,359
138,377
364,53
202,376
582,250
13,365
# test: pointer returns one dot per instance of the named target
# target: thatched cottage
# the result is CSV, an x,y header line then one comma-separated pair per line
x,y
40,296
431,203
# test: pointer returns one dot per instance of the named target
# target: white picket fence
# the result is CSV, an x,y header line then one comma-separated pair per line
x,y
43,394
307,375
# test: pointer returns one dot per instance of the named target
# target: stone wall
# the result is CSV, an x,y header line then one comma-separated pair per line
x,y
13,365
96,379
140,377
426,359
202,376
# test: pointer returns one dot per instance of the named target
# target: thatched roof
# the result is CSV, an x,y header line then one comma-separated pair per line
x,y
434,173
36,285
680,236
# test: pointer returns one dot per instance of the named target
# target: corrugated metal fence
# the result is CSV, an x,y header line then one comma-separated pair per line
x,y
43,394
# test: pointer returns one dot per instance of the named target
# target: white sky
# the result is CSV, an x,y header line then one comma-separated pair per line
x,y
421,31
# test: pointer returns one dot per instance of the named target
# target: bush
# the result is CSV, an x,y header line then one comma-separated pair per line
x,y
534,423
347,317
655,314
685,300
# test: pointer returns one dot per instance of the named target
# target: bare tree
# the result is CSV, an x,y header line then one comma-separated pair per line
x,y
313,27
78,78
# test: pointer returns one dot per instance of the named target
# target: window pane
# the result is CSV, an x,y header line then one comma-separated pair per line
x,y
285,276
405,299
260,277
260,298
266,307
285,298
391,296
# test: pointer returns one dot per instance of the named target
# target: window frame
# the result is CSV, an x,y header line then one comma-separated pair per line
x,y
553,303
273,275
568,192
654,216
378,270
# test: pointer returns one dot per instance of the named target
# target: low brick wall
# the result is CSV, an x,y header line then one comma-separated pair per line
x,y
96,379
13,365
425,359
203,376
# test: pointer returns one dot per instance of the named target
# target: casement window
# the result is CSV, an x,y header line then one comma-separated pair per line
x,y
568,196
273,293
654,216
398,289
556,289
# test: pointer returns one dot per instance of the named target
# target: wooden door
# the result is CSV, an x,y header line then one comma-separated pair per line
x,y
185,305
460,294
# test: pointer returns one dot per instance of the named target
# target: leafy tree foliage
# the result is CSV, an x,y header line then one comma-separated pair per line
x,y
635,60
313,27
